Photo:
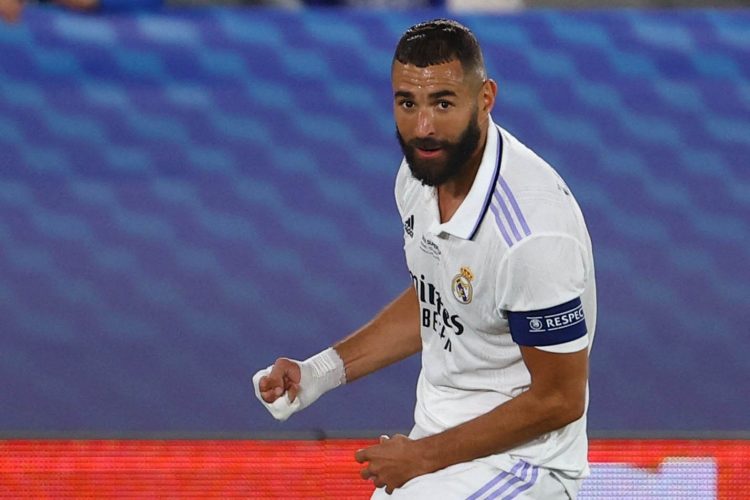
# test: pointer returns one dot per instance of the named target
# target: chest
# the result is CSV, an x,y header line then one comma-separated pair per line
x,y
456,279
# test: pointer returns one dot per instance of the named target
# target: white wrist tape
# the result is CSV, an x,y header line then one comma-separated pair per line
x,y
319,374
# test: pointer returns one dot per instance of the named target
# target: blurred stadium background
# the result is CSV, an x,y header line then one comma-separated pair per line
x,y
188,193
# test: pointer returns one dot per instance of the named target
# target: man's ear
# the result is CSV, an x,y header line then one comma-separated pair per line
x,y
487,95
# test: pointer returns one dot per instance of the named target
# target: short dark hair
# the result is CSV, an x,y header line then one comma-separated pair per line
x,y
440,41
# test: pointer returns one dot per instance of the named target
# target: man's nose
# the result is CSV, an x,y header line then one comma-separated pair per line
x,y
425,123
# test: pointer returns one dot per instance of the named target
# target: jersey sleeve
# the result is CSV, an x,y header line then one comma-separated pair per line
x,y
541,287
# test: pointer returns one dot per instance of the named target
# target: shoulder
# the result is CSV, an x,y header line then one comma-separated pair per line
x,y
532,187
527,172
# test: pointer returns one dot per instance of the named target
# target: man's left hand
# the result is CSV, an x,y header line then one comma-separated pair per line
x,y
393,462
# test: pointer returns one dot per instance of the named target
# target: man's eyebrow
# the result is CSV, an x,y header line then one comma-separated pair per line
x,y
443,93
433,95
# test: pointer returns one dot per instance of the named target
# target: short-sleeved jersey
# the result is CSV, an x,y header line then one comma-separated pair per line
x,y
516,249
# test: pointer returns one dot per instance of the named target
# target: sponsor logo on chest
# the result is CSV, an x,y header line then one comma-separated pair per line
x,y
435,313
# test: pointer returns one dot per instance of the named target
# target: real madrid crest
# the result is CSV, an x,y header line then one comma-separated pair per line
x,y
461,286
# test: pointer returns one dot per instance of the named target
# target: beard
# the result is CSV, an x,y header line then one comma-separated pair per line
x,y
434,172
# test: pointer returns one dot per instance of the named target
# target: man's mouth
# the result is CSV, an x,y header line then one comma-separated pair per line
x,y
429,152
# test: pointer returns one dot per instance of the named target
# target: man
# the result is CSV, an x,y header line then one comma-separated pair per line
x,y
502,306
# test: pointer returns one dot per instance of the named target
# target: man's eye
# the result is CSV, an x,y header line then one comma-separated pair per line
x,y
444,104
407,104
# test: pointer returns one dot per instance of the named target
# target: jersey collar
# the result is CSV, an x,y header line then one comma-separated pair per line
x,y
465,222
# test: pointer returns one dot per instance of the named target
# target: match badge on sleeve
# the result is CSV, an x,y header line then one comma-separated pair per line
x,y
461,285
536,325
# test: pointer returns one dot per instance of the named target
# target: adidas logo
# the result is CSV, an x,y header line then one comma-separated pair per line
x,y
409,226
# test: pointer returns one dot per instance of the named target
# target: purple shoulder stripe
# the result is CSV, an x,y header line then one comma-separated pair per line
x,y
509,219
513,203
500,225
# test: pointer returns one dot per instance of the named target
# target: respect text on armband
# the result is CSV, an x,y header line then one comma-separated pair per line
x,y
434,314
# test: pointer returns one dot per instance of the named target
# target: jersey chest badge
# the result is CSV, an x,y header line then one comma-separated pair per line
x,y
461,286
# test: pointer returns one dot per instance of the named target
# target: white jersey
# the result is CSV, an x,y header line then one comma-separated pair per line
x,y
513,265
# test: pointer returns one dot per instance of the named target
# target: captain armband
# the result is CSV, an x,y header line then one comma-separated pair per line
x,y
551,326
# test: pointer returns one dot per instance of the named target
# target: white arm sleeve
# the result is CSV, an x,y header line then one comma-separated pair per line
x,y
544,271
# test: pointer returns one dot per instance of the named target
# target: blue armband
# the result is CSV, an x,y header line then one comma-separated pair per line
x,y
552,326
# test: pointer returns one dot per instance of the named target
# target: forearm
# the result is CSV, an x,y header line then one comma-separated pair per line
x,y
390,337
555,398
511,424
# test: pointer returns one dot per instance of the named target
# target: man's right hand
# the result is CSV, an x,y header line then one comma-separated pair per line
x,y
290,385
274,387
284,378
